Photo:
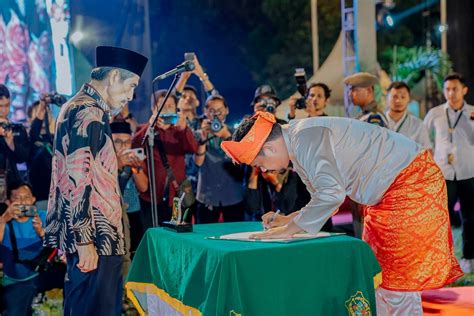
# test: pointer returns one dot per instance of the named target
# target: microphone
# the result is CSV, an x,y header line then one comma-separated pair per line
x,y
188,65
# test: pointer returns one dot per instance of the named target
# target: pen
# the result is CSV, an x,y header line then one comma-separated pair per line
x,y
273,217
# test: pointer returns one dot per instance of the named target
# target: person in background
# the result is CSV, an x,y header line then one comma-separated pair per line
x,y
14,146
400,120
20,280
452,124
317,98
177,140
42,128
188,100
219,189
362,94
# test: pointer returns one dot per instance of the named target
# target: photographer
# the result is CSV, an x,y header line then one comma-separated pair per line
x,y
21,240
42,129
266,100
314,101
14,147
187,95
176,139
219,187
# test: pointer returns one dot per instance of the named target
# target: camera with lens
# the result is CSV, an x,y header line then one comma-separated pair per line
x,y
216,124
53,98
269,104
7,126
300,77
28,210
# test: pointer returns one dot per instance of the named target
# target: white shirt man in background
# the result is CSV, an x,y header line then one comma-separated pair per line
x,y
400,120
453,126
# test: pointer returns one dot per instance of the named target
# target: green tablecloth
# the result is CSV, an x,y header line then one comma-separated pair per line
x,y
325,276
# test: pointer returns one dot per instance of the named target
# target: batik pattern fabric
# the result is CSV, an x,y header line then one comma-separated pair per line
x,y
409,230
84,200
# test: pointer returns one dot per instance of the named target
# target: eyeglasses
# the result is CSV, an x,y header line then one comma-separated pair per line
x,y
119,142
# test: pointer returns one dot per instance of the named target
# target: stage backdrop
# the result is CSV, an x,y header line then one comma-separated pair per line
x,y
35,55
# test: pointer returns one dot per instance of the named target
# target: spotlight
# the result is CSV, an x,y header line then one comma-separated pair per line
x,y
76,37
389,20
442,28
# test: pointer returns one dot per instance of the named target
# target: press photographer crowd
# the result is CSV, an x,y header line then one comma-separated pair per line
x,y
63,177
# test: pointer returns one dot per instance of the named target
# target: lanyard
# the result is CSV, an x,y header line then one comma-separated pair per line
x,y
401,124
451,128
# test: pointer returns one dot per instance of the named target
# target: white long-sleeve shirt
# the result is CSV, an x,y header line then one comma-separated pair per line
x,y
412,127
336,157
462,145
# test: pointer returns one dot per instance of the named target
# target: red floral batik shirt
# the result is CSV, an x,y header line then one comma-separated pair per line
x,y
84,199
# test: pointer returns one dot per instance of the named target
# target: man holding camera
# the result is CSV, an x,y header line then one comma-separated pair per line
x,y
21,240
219,188
84,212
14,147
173,140
314,101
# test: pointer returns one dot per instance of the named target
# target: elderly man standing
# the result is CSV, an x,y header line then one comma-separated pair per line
x,y
84,211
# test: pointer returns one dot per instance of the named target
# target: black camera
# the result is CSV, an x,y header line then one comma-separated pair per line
x,y
7,126
53,98
300,77
216,124
270,104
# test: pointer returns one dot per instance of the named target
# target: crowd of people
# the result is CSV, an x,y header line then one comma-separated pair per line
x,y
71,157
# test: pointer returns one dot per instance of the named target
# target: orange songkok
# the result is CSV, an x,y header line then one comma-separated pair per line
x,y
246,150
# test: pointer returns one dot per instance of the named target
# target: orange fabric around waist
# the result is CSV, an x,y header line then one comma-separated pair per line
x,y
409,230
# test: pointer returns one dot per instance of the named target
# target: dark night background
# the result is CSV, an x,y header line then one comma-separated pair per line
x,y
244,43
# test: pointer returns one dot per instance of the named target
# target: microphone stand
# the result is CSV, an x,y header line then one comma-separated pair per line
x,y
149,143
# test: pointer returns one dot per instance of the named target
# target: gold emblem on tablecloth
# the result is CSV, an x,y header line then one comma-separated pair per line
x,y
358,305
233,313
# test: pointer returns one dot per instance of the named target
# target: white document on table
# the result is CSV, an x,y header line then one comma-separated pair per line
x,y
245,236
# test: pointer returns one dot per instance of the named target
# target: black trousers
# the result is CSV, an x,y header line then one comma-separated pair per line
x,y
231,213
136,229
98,292
464,191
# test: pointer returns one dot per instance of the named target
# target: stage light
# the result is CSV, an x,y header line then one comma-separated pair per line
x,y
389,20
76,37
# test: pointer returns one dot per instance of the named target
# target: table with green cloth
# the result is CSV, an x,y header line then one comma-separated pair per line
x,y
189,274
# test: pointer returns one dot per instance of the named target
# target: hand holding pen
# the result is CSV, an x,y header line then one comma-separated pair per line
x,y
274,219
